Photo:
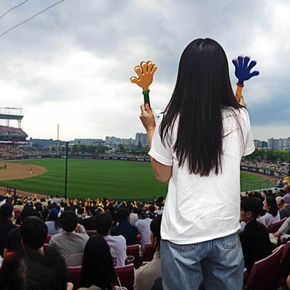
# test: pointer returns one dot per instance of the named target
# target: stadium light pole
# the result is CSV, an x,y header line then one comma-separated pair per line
x,y
65,171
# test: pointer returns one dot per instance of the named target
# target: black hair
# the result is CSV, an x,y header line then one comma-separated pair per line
x,y
122,214
32,270
273,208
103,223
33,232
202,91
252,204
155,227
27,211
6,210
97,268
68,220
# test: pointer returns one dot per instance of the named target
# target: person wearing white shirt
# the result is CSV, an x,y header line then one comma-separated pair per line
x,y
198,144
117,244
143,226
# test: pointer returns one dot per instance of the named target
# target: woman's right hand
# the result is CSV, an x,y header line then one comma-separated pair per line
x,y
147,118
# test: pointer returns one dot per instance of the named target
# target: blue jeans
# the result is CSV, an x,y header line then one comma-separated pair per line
x,y
217,264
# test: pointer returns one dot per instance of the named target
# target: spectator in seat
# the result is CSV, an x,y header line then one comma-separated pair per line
x,y
143,226
133,217
124,228
90,222
31,268
272,214
255,239
97,267
284,208
71,242
146,275
117,244
6,224
52,222
13,242
34,271
33,233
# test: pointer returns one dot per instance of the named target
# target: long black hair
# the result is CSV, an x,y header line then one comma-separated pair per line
x,y
202,91
98,268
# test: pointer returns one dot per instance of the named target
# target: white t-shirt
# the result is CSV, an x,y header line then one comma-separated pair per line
x,y
143,226
199,208
118,249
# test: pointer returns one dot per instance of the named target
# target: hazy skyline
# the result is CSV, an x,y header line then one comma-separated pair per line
x,y
71,65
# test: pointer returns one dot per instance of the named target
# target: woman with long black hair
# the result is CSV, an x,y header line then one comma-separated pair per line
x,y
197,148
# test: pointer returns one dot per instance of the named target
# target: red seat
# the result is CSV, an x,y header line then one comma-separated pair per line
x,y
264,273
148,253
48,237
134,250
273,228
74,276
284,263
91,232
126,276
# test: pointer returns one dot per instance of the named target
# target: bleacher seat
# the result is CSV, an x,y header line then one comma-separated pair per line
x,y
126,276
284,264
273,228
134,250
264,273
74,276
148,253
91,232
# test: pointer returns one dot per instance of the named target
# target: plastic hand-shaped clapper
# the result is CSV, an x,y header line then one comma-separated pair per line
x,y
145,74
243,67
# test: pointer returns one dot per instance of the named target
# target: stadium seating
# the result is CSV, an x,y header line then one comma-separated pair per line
x,y
75,276
125,276
148,253
273,228
284,264
134,250
264,273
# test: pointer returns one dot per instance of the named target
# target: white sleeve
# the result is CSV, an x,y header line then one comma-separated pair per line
x,y
159,151
249,146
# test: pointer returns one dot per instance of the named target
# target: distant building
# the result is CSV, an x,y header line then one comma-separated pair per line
x,y
142,139
260,144
279,144
112,140
89,142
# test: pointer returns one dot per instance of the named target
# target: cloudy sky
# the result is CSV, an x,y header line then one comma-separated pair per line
x,y
71,65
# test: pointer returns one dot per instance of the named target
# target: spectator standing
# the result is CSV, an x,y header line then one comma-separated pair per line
x,y
203,134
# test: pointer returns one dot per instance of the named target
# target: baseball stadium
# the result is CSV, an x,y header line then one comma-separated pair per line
x,y
29,170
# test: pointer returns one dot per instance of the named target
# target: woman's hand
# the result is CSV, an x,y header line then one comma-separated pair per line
x,y
147,118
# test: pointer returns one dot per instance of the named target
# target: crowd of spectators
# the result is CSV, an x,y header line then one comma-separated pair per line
x,y
16,152
266,164
95,233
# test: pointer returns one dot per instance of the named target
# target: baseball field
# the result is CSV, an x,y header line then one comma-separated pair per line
x,y
94,178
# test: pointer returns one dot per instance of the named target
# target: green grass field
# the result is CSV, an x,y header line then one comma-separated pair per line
x,y
103,178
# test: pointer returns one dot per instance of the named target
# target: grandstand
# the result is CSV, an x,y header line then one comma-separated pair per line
x,y
10,134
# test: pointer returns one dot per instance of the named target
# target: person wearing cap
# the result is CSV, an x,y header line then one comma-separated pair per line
x,y
6,224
